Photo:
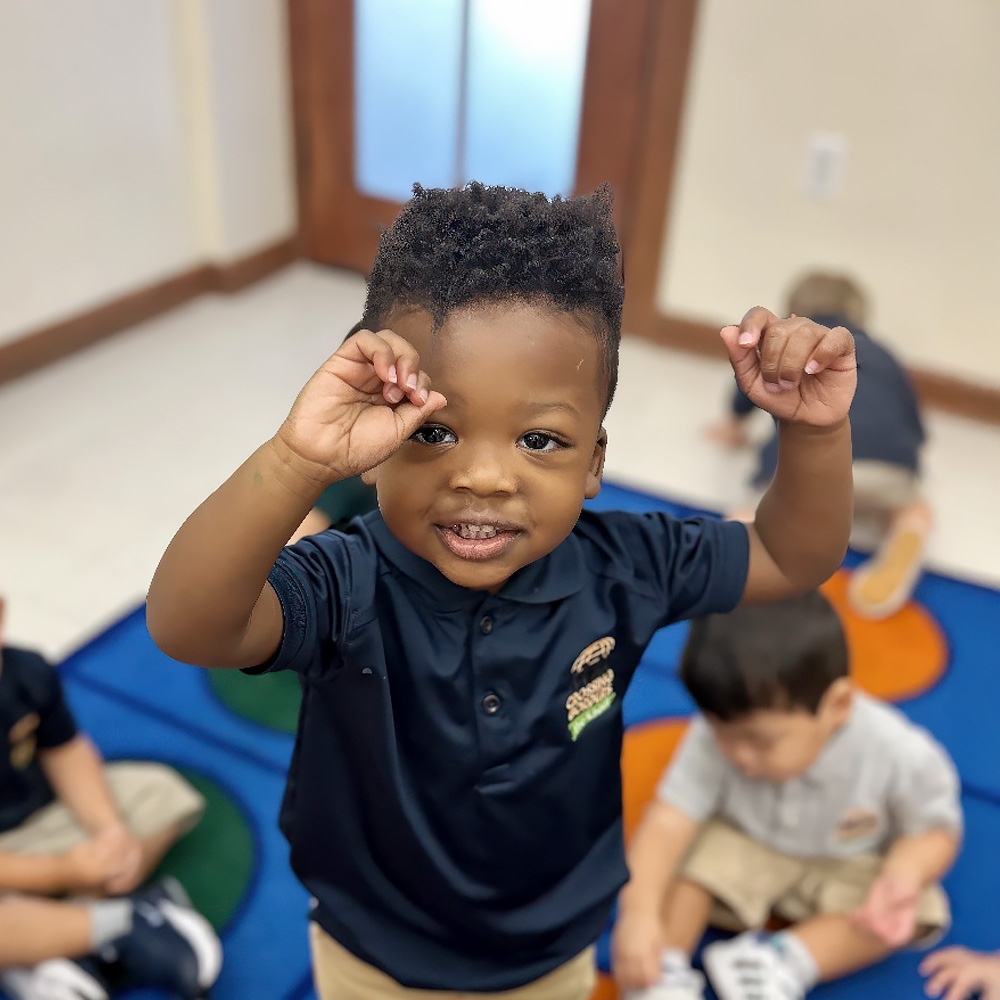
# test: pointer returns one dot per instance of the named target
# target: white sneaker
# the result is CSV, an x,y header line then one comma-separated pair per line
x,y
674,984
748,968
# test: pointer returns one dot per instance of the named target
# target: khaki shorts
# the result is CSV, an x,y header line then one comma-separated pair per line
x,y
340,975
150,798
749,883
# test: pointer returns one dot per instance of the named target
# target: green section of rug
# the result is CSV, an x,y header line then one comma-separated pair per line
x,y
271,700
214,861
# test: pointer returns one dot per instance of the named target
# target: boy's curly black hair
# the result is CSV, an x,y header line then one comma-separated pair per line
x,y
455,247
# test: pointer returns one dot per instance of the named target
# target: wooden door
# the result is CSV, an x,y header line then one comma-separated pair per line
x,y
340,225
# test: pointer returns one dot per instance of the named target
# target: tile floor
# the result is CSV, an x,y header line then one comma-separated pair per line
x,y
103,454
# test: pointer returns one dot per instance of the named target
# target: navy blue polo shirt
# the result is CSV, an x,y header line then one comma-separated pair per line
x,y
33,716
454,799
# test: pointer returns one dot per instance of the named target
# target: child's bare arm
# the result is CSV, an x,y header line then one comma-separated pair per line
x,y
922,858
663,836
76,773
209,602
804,375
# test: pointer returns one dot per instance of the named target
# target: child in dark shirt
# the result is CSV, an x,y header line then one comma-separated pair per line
x,y
454,802
71,825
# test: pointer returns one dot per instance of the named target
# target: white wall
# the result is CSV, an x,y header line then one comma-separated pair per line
x,y
133,148
913,85
238,94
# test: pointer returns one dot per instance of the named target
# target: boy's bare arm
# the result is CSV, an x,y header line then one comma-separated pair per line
x,y
664,834
804,375
76,773
660,841
922,858
209,602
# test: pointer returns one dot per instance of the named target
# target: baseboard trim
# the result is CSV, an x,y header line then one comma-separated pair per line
x,y
237,274
941,392
50,343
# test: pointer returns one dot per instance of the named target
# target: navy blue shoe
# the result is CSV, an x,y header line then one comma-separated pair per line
x,y
171,945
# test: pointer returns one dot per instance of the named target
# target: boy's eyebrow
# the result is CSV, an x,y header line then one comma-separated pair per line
x,y
560,405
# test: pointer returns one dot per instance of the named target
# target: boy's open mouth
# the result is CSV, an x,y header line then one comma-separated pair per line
x,y
476,541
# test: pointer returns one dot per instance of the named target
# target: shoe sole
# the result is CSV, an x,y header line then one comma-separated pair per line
x,y
881,587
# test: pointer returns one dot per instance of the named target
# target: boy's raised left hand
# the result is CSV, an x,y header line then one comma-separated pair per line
x,y
793,368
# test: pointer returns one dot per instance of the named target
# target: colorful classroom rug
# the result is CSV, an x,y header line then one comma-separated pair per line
x,y
232,735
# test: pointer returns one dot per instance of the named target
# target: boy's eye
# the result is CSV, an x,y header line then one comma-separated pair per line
x,y
432,434
539,441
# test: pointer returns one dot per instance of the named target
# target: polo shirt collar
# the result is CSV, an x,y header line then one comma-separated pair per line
x,y
551,578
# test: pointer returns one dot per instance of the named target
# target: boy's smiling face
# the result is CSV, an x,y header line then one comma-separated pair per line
x,y
496,479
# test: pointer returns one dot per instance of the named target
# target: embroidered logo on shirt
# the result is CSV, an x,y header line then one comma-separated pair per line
x,y
22,741
593,688
856,824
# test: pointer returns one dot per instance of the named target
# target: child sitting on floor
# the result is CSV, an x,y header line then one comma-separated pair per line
x,y
793,795
78,838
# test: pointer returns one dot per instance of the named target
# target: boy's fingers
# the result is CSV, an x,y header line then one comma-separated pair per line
x,y
753,325
937,959
772,348
835,351
411,416
394,359
799,346
962,985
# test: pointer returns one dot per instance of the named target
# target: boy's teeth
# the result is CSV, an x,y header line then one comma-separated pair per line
x,y
475,530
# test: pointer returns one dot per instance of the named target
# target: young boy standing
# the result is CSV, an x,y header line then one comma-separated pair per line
x,y
792,795
454,802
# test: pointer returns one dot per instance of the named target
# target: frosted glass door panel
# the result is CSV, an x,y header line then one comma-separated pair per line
x,y
406,94
525,90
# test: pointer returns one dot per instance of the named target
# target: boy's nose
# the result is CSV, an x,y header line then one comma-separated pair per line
x,y
483,471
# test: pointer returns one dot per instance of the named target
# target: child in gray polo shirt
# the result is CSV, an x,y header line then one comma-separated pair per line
x,y
793,796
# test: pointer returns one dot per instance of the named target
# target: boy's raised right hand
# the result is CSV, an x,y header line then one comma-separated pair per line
x,y
359,407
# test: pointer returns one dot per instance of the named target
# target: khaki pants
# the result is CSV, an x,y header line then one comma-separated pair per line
x,y
749,882
340,975
150,798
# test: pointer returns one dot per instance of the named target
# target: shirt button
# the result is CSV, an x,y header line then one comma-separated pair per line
x,y
491,704
486,624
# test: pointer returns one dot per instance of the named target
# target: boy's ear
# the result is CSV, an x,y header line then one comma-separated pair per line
x,y
838,699
370,476
596,469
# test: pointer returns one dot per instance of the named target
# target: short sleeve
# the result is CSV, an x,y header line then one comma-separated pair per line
x,y
694,780
56,725
311,580
926,790
698,566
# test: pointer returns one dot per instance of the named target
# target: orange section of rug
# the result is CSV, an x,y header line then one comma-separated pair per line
x,y
605,988
645,752
896,658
